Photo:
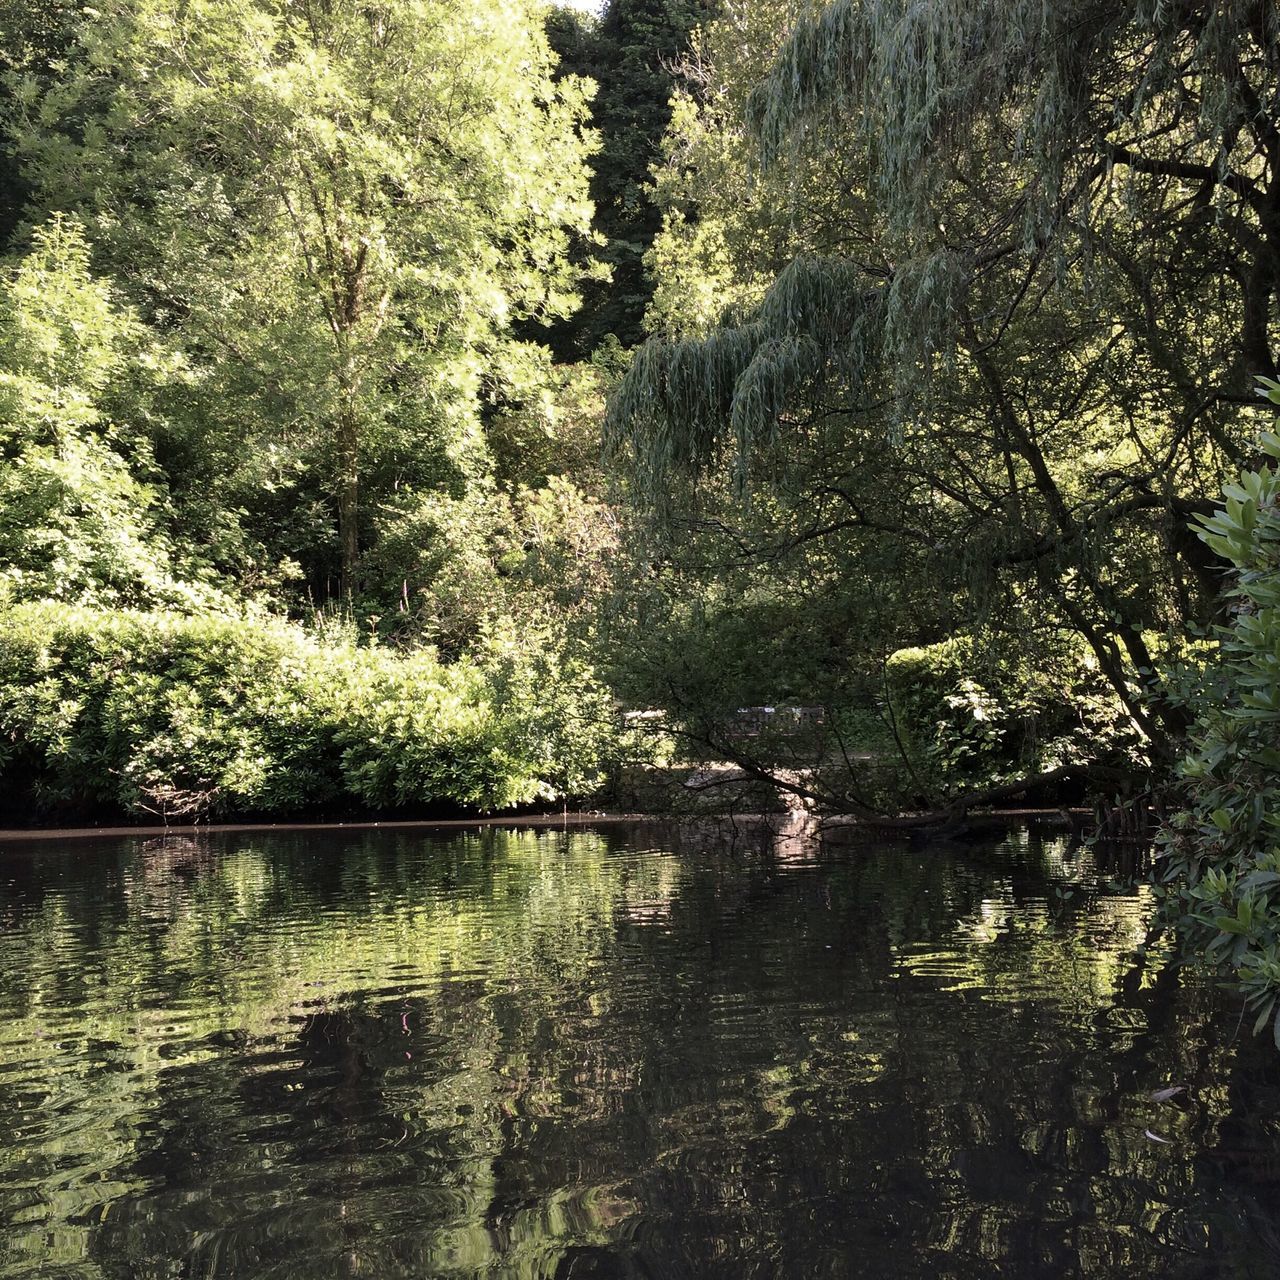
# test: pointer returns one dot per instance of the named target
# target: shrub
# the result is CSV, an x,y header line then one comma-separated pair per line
x,y
1221,854
198,716
968,715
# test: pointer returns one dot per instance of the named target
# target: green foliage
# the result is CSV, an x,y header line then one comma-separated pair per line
x,y
453,568
445,558
319,208
151,713
273,345
82,501
554,430
916,82
1221,854
636,52
924,364
933,302
953,729
972,713
722,240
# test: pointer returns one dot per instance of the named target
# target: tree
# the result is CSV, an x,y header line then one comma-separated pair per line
x,y
1021,264
82,504
35,38
320,199
636,52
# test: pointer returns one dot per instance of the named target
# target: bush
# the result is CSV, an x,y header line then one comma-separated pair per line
x,y
948,724
969,716
141,713
1221,854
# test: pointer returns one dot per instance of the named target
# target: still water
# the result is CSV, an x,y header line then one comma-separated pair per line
x,y
613,1053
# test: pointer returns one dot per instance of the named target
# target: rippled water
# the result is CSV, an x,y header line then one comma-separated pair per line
x,y
613,1053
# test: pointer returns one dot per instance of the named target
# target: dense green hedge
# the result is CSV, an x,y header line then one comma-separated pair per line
x,y
142,713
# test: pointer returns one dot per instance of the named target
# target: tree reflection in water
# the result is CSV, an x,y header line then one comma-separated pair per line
x,y
624,1052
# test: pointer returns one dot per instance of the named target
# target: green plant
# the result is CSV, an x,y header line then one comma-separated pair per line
x,y
186,717
1220,856
971,711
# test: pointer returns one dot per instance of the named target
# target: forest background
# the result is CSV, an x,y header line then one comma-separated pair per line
x,y
392,392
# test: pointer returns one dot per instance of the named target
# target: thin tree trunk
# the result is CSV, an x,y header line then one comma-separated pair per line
x,y
349,502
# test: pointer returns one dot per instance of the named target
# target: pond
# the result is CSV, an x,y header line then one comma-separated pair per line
x,y
620,1052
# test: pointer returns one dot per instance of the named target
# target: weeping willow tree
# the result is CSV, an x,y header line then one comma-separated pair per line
x,y
1025,262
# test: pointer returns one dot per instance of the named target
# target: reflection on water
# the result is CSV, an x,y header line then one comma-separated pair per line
x,y
616,1053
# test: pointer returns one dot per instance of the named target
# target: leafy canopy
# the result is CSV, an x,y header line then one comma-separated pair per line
x,y
974,294
83,508
339,209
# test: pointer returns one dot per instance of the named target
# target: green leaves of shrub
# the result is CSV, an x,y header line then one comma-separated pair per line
x,y
1221,854
182,717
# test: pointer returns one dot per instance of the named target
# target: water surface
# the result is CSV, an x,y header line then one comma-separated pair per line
x,y
613,1053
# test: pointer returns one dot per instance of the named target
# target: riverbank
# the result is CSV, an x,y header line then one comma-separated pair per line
x,y
536,820
821,827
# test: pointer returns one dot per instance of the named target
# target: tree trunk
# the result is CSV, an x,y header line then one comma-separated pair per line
x,y
349,502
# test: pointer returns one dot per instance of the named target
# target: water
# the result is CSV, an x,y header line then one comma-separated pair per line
x,y
613,1054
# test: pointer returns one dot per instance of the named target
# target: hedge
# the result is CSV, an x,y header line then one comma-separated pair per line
x,y
152,713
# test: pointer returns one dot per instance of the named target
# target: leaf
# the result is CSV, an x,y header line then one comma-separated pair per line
x,y
1261,1020
1260,879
